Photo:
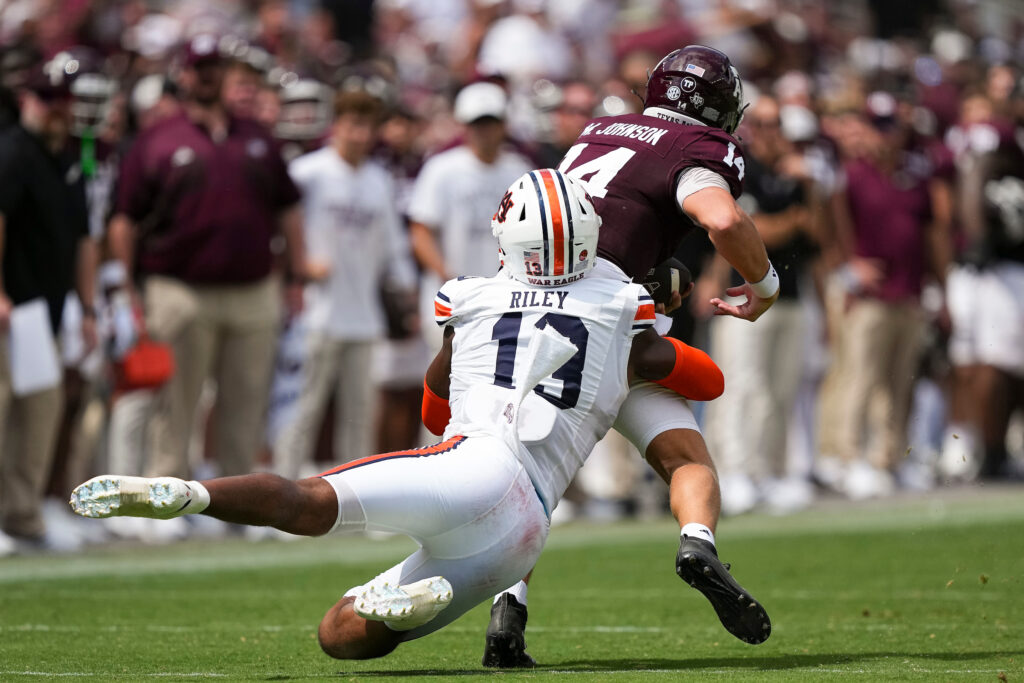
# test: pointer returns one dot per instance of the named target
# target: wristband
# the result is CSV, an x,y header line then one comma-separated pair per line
x,y
768,286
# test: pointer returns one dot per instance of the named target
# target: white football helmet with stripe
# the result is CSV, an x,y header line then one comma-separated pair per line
x,y
547,229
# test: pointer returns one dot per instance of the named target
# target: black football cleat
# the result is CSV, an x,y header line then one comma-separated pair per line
x,y
506,637
697,564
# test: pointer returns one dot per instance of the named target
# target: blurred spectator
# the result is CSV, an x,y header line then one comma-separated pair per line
x,y
151,101
355,240
455,193
986,295
202,195
97,126
576,104
893,225
747,425
246,70
304,114
401,360
46,250
524,46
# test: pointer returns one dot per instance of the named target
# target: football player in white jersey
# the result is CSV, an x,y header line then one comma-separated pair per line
x,y
537,360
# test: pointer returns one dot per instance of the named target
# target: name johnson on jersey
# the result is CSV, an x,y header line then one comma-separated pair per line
x,y
634,131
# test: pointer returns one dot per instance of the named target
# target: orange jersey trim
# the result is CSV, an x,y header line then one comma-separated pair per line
x,y
556,222
645,312
442,447
442,311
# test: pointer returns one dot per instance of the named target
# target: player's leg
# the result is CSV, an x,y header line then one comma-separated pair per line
x,y
343,634
662,427
505,641
994,394
308,507
681,458
480,524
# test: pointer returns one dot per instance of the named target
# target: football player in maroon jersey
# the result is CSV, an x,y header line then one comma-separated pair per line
x,y
655,177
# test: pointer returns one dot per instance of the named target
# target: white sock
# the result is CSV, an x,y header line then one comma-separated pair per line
x,y
200,498
517,591
700,531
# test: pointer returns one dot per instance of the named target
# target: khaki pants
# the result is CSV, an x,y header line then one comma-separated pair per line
x,y
880,352
28,432
763,365
832,396
343,367
226,332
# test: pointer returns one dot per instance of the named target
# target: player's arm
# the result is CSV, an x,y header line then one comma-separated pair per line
x,y
669,362
436,412
940,230
426,250
734,236
290,223
5,302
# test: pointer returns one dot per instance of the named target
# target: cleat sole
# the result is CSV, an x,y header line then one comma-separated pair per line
x,y
740,613
404,607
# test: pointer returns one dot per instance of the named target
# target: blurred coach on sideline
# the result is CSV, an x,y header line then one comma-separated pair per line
x,y
45,249
202,196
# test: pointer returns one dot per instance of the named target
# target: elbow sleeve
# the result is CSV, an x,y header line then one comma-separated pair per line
x,y
436,412
694,376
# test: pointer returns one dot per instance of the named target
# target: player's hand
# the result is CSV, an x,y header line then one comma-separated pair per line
x,y
675,302
5,312
751,309
864,275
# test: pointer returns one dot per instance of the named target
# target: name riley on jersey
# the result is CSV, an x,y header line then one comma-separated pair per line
x,y
531,298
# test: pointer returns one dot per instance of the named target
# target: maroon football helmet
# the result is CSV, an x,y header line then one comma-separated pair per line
x,y
699,82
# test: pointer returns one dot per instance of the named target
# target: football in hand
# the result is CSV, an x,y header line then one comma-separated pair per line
x,y
667,277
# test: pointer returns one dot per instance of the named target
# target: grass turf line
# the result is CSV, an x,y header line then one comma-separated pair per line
x,y
925,589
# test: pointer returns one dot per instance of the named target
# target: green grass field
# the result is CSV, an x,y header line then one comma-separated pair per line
x,y
928,588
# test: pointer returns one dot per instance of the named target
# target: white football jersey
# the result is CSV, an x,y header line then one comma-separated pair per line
x,y
570,410
351,225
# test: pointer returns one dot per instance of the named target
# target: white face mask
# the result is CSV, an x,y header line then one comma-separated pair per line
x,y
667,115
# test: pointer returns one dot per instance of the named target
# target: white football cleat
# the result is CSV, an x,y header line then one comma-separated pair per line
x,y
110,496
403,607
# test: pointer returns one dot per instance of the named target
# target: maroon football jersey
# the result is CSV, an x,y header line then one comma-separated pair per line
x,y
631,164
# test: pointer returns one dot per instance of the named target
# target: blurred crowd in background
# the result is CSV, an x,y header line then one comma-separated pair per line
x,y
238,213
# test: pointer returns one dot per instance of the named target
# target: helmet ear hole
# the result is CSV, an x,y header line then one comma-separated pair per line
x,y
522,214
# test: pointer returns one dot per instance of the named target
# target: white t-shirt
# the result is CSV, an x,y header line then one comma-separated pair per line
x,y
456,194
351,224
494,320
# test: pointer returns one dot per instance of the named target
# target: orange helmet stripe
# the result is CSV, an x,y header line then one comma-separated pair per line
x,y
558,244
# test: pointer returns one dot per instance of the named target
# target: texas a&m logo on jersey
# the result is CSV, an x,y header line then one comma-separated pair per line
x,y
502,213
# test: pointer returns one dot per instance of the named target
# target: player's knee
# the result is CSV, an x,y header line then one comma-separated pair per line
x,y
345,635
677,448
